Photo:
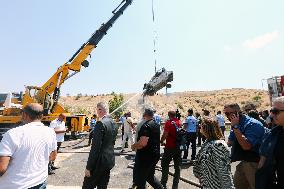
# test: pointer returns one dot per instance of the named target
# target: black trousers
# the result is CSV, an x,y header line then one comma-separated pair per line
x,y
90,136
99,180
169,155
58,145
200,138
144,171
191,139
223,130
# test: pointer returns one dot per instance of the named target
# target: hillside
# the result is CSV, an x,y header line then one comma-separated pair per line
x,y
198,100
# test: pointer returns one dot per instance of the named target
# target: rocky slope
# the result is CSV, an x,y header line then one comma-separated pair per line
x,y
198,100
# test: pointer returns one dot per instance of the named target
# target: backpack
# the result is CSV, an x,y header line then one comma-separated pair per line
x,y
181,139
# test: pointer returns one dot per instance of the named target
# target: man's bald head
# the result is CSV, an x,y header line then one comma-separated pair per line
x,y
34,111
61,117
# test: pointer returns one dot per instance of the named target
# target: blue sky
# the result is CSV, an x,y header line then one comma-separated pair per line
x,y
209,44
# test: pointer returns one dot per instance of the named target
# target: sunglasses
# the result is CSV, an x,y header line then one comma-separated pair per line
x,y
276,111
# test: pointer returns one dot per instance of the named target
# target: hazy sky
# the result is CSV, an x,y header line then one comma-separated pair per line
x,y
209,44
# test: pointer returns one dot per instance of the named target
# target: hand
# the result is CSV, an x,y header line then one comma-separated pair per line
x,y
133,147
235,119
87,173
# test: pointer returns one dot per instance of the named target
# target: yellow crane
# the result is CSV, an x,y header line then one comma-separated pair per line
x,y
48,93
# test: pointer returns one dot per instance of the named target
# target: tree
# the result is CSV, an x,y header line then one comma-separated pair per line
x,y
116,102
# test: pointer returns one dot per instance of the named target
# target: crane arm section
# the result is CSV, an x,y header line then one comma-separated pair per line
x,y
79,58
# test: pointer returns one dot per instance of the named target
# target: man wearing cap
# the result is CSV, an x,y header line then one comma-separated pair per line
x,y
148,153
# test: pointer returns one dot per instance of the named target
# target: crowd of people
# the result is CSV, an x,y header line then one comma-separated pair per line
x,y
255,142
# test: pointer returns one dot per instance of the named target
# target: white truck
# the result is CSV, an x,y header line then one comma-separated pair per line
x,y
275,87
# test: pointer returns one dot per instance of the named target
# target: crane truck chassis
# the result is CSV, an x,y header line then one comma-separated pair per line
x,y
48,94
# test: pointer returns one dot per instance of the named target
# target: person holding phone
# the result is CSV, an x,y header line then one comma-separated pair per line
x,y
245,138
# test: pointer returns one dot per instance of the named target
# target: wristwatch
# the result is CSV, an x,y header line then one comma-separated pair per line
x,y
235,126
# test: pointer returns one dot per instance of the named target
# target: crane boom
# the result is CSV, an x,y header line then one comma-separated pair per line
x,y
78,60
48,94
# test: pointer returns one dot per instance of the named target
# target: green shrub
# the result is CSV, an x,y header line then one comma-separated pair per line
x,y
256,98
116,102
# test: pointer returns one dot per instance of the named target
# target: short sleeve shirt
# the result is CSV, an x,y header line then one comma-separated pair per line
x,y
29,147
152,150
191,122
221,120
127,124
59,126
157,119
252,129
171,130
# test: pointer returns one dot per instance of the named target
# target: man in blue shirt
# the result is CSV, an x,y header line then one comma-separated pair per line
x,y
92,126
271,166
190,125
245,139
157,119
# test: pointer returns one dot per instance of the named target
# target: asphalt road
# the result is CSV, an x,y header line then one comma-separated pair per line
x,y
72,161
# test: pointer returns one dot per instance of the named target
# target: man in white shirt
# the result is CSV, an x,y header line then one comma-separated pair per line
x,y
221,122
129,128
59,127
26,150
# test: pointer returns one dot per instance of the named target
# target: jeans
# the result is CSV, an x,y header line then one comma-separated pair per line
x,y
144,171
169,154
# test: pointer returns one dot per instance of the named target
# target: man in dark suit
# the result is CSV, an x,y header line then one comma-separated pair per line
x,y
101,157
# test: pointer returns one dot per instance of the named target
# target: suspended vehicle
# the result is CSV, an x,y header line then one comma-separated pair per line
x,y
160,80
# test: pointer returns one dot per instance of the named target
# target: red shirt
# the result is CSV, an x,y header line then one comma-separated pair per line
x,y
171,130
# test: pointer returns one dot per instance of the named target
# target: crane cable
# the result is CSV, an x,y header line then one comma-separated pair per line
x,y
154,36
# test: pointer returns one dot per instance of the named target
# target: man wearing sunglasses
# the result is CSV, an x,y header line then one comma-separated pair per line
x,y
271,167
245,138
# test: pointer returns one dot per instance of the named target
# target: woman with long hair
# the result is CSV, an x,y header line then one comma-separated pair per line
x,y
212,166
